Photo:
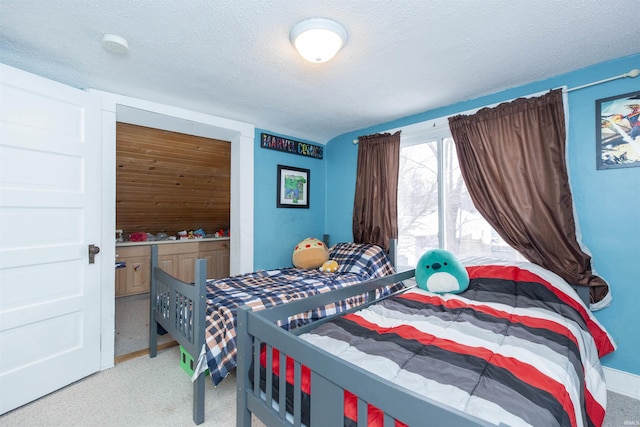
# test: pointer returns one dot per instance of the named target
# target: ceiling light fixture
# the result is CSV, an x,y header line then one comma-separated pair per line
x,y
115,43
318,39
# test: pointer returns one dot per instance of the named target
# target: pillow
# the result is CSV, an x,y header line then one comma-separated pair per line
x,y
310,253
439,271
364,259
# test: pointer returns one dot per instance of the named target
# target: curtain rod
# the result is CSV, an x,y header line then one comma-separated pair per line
x,y
633,73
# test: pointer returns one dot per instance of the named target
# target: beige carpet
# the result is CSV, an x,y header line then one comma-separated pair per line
x,y
132,325
139,392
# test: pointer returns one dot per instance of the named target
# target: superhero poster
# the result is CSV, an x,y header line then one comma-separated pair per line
x,y
618,131
293,187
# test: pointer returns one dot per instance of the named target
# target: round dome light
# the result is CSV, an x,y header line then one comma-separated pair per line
x,y
318,39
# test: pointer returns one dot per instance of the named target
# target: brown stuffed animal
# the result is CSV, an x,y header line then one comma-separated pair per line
x,y
310,253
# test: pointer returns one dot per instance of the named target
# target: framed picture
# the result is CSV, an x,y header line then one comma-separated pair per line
x,y
618,131
293,187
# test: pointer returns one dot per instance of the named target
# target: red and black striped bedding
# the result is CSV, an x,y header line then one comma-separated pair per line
x,y
517,347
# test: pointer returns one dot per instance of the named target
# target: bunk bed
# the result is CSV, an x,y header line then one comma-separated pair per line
x,y
201,316
518,347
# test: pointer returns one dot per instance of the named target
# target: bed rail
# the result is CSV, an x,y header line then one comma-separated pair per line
x,y
180,309
330,375
282,312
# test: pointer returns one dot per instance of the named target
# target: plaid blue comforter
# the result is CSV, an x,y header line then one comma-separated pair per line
x,y
268,288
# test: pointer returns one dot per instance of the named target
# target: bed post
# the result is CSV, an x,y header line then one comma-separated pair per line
x,y
153,325
199,313
393,252
243,341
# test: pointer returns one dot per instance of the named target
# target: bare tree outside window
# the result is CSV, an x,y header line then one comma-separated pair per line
x,y
417,201
422,226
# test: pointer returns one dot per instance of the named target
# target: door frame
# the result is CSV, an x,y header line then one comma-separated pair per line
x,y
146,113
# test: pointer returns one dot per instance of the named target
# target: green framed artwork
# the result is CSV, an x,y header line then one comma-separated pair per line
x,y
293,187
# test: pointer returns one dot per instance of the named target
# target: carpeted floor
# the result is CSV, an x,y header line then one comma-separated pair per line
x,y
132,325
136,393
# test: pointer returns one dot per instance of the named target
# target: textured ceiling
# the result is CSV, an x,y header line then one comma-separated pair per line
x,y
233,58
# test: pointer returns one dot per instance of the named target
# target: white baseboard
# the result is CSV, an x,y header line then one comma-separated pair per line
x,y
621,382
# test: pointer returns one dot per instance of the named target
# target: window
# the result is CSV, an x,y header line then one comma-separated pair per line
x,y
434,207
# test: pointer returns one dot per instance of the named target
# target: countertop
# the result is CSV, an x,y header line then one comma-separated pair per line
x,y
165,242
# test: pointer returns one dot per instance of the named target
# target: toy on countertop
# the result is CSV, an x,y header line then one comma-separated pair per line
x,y
440,271
310,253
199,233
138,236
330,266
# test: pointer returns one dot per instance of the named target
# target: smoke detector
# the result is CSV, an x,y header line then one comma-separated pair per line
x,y
115,44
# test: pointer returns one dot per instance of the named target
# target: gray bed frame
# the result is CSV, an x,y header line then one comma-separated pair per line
x,y
180,308
330,375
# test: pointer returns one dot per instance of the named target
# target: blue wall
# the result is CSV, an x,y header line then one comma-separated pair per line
x,y
608,206
607,202
278,230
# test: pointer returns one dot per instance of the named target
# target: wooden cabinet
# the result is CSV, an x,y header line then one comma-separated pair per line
x,y
134,277
177,259
217,256
169,263
222,264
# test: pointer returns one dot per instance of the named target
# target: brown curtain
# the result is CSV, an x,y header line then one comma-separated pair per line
x,y
512,159
375,207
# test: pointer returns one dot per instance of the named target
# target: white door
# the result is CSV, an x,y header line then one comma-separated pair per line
x,y
49,214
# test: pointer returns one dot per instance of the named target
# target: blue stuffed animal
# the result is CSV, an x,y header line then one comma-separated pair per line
x,y
439,271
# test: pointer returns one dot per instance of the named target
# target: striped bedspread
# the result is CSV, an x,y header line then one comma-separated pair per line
x,y
517,347
268,288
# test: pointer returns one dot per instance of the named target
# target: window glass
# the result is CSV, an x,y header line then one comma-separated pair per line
x,y
435,209
418,226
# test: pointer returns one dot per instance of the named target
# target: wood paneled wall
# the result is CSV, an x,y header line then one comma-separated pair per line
x,y
168,181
